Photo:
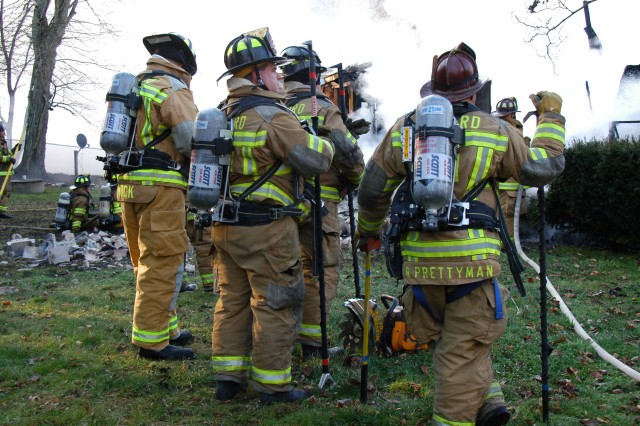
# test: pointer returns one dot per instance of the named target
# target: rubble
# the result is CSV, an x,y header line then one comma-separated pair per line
x,y
87,248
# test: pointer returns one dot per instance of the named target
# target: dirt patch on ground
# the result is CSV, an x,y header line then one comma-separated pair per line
x,y
31,219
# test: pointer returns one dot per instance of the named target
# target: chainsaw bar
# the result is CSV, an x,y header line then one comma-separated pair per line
x,y
351,335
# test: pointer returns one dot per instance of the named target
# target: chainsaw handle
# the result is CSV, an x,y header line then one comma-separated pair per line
x,y
386,299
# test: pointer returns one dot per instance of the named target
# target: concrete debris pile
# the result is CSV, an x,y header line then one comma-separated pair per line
x,y
84,249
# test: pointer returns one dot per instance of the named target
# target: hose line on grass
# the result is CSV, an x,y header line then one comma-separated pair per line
x,y
635,375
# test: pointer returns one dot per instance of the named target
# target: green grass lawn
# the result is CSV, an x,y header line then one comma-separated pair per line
x,y
66,356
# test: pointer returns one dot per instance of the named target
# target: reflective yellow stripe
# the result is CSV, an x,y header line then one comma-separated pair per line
x,y
396,139
150,336
79,211
538,153
508,186
486,140
477,245
173,322
150,95
494,391
441,421
330,193
310,330
223,364
153,176
368,226
550,130
206,278
268,190
273,377
484,158
391,185
321,118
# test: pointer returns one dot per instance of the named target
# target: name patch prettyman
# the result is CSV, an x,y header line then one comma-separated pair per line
x,y
448,272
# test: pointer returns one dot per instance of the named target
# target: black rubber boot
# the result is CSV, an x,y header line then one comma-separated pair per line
x,y
181,339
170,353
293,395
227,389
4,215
497,416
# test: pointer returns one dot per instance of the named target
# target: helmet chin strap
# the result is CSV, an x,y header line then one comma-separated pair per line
x,y
259,82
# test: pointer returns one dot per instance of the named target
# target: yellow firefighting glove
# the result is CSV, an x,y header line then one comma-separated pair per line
x,y
358,127
546,102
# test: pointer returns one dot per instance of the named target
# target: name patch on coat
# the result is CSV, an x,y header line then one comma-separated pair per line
x,y
436,272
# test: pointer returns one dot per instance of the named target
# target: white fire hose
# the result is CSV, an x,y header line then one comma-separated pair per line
x,y
635,375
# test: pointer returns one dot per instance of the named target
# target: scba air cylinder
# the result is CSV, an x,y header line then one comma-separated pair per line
x,y
104,206
62,210
117,122
210,152
433,165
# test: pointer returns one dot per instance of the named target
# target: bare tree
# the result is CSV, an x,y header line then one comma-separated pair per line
x,y
545,21
62,65
17,55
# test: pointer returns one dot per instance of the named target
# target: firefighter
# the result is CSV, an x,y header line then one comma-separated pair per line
x,y
153,196
7,160
257,255
344,175
506,110
200,238
451,296
80,216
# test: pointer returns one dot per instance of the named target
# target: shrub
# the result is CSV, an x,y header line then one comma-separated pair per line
x,y
598,193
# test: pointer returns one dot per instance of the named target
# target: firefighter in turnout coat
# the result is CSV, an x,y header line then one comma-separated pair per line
x,y
153,196
344,175
451,297
81,205
257,256
506,110
7,160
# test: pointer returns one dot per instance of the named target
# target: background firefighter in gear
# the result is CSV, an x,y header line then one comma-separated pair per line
x,y
506,110
460,315
257,257
344,175
7,160
81,216
153,196
200,238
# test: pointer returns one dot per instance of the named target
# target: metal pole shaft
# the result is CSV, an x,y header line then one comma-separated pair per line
x,y
544,342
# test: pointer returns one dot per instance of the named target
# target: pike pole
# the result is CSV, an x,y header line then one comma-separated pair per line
x,y
545,349
317,230
352,216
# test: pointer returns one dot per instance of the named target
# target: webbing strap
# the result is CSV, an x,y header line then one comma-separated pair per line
x,y
496,291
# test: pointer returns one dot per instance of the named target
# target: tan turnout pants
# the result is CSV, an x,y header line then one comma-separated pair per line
x,y
258,313
460,341
154,227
